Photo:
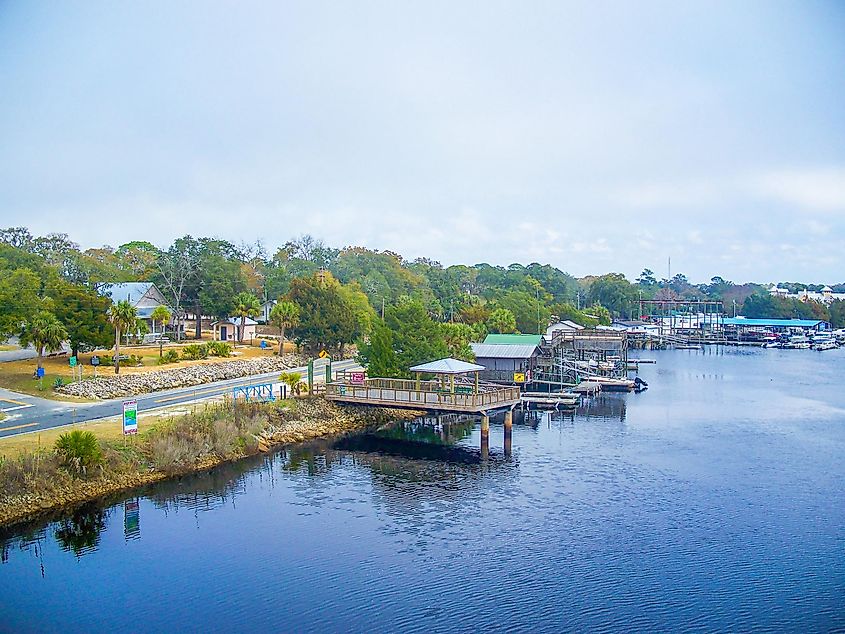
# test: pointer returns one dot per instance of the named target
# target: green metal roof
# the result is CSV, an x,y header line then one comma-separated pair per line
x,y
515,340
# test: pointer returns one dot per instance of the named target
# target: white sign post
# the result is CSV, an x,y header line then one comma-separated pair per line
x,y
130,417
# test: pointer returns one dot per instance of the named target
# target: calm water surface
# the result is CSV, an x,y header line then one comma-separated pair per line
x,y
713,501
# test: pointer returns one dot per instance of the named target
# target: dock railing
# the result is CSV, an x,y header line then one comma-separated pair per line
x,y
425,395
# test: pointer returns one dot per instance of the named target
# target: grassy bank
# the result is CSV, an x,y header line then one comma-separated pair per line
x,y
36,477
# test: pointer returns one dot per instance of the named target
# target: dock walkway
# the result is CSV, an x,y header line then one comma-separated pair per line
x,y
425,395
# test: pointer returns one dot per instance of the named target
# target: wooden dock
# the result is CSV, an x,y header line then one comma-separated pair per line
x,y
424,395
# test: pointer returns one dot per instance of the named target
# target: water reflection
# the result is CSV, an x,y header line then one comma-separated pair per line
x,y
80,533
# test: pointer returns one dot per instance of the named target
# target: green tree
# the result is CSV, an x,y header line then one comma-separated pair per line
x,y
19,299
615,293
122,316
326,318
378,355
246,305
162,315
84,313
43,332
416,337
284,315
837,314
501,321
458,338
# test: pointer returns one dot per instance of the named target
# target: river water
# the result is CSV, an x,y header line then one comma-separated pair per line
x,y
713,501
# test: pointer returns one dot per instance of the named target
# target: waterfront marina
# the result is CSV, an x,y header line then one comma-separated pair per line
x,y
708,502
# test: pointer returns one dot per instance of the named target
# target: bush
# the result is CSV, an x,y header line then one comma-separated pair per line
x,y
59,382
135,359
106,359
78,451
219,349
195,351
169,356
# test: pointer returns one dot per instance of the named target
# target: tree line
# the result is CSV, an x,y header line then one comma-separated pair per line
x,y
329,297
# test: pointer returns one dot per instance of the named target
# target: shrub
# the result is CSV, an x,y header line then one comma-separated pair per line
x,y
169,356
31,471
195,351
135,359
219,349
59,382
79,450
106,359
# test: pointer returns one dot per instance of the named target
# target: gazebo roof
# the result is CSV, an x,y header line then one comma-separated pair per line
x,y
448,366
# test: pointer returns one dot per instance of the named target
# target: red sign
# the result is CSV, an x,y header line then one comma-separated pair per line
x,y
357,377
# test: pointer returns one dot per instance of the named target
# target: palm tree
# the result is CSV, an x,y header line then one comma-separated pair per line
x,y
122,316
162,315
284,315
44,332
246,305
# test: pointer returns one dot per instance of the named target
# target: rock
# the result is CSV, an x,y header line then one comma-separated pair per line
x,y
105,387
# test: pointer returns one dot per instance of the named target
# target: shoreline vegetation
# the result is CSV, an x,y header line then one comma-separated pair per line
x,y
36,481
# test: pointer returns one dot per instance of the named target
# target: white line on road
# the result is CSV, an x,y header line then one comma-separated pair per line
x,y
12,409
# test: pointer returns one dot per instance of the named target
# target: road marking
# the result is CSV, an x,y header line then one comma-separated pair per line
x,y
3,429
12,409
192,394
13,402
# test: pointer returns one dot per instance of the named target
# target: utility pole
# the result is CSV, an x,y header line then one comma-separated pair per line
x,y
539,332
382,308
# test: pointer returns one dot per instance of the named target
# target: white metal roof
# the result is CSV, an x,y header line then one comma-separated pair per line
x,y
447,366
502,351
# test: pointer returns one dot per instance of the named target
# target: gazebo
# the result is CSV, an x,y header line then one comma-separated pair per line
x,y
450,368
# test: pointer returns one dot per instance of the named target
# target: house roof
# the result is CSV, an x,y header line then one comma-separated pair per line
x,y
447,366
502,351
744,321
234,321
514,340
127,291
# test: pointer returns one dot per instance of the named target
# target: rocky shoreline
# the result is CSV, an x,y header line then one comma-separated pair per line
x,y
116,386
310,418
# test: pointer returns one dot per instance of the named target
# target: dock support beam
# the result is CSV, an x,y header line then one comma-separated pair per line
x,y
508,432
485,436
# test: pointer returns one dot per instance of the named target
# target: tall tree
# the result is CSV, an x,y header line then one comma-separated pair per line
x,y
176,270
327,319
43,332
378,355
501,321
246,305
284,315
122,316
84,313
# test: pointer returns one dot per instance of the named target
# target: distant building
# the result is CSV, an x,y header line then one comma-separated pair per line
x,y
227,329
266,307
506,362
825,296
144,297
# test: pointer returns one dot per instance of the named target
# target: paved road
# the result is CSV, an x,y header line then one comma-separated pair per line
x,y
29,413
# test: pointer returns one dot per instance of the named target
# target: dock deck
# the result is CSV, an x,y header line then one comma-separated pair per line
x,y
424,395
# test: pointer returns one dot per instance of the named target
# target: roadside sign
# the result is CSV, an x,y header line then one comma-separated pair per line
x,y
72,362
263,344
95,360
323,354
40,373
130,417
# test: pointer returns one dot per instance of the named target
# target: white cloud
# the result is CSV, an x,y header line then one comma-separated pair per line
x,y
809,189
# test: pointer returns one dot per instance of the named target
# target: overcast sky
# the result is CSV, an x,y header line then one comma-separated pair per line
x,y
595,136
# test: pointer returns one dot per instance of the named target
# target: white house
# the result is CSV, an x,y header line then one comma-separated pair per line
x,y
144,297
266,307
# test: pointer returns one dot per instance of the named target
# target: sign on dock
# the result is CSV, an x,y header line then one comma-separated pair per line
x,y
130,417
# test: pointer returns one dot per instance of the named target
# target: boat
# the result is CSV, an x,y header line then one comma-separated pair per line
x,y
825,345
613,385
